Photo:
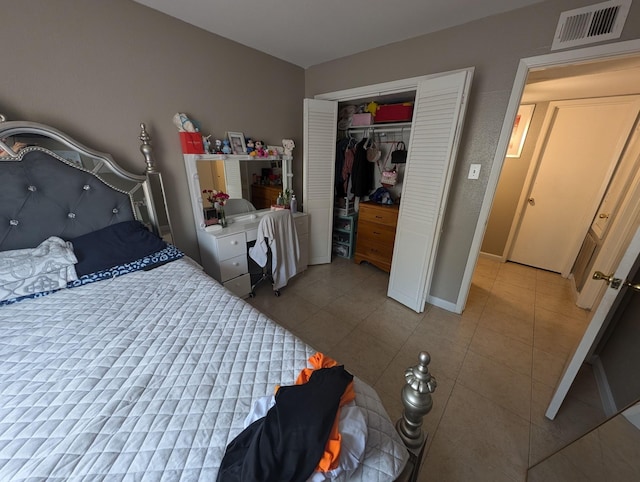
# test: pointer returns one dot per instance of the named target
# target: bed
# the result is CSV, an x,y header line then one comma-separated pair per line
x,y
145,370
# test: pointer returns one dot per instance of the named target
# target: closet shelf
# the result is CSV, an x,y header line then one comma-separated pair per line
x,y
390,127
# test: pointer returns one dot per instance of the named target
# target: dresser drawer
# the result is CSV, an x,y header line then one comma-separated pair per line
x,y
378,242
302,225
231,246
240,286
233,267
378,214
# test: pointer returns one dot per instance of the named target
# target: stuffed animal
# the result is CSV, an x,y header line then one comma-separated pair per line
x,y
183,123
288,145
250,146
206,144
226,148
261,152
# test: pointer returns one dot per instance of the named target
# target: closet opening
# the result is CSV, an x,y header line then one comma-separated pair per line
x,y
372,136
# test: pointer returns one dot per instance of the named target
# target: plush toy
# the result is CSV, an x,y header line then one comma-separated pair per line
x,y
259,145
288,145
250,146
183,123
226,148
206,144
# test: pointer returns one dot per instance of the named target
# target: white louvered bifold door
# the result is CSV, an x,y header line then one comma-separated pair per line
x,y
232,178
437,120
320,117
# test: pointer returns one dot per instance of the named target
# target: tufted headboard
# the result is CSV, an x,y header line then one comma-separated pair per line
x,y
50,185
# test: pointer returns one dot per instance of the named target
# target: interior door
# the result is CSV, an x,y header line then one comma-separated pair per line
x,y
598,323
438,115
583,143
319,152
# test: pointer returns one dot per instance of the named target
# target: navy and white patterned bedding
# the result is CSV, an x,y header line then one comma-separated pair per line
x,y
147,376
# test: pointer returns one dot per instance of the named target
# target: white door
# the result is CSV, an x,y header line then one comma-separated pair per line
x,y
438,115
601,316
583,143
320,117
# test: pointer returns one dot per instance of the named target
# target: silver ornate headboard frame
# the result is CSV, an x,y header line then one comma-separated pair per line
x,y
51,185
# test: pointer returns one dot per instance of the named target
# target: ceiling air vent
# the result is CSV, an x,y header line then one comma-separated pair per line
x,y
595,23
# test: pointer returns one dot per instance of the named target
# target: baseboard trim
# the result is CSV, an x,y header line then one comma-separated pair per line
x,y
494,257
606,396
444,304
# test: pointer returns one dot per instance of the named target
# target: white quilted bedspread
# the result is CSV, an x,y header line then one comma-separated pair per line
x,y
147,377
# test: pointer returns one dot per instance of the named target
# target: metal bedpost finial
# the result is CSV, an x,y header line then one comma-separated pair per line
x,y
145,148
417,402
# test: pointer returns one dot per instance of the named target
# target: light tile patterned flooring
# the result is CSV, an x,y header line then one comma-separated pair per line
x,y
496,364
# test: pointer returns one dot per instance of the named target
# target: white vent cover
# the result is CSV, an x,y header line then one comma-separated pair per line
x,y
595,23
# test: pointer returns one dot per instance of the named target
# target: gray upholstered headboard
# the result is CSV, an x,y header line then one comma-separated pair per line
x,y
57,187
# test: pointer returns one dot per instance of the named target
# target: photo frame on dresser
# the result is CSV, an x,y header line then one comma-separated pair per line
x,y
238,143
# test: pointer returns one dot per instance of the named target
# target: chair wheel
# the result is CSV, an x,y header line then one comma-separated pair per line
x,y
276,292
252,294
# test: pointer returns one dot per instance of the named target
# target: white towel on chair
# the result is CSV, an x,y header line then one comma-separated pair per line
x,y
277,231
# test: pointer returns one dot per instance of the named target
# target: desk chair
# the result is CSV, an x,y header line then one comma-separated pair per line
x,y
238,206
276,250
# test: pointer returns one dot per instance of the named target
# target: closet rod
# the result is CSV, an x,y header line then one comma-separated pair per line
x,y
383,128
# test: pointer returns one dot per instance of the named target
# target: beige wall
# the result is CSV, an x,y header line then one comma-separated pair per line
x,y
512,178
96,69
494,47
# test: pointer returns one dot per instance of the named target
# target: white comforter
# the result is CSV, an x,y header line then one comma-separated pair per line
x,y
147,377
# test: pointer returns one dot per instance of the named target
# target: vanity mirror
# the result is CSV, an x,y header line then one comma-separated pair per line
x,y
610,451
258,180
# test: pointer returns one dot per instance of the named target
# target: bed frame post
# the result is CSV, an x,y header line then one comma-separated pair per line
x,y
416,398
146,149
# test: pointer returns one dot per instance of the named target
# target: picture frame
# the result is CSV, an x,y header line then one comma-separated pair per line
x,y
237,142
520,129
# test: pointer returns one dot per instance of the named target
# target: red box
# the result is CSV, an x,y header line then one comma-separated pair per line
x,y
191,143
394,112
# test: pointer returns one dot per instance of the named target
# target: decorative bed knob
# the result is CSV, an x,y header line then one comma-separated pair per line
x,y
32,188
416,398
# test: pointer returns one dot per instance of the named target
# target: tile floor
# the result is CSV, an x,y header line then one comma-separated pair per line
x,y
496,364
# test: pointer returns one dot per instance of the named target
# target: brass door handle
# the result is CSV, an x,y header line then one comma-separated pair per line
x,y
615,282
603,216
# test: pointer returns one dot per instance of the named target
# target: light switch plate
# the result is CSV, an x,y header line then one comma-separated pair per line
x,y
474,171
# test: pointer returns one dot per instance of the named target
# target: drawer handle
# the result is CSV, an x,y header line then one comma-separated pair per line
x,y
234,242
236,264
378,217
376,232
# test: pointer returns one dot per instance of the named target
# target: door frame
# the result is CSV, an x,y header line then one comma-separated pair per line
x,y
600,52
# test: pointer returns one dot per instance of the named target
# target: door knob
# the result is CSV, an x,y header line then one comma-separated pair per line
x,y
532,201
603,216
610,280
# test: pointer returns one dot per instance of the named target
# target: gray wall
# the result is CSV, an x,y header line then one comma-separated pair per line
x,y
494,47
96,69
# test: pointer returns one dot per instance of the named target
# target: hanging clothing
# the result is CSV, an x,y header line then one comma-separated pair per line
x,y
363,171
341,147
277,232
289,441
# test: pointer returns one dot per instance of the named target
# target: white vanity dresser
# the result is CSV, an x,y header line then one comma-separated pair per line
x,y
223,251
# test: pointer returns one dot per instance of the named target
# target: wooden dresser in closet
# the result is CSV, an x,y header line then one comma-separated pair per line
x,y
376,234
262,197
